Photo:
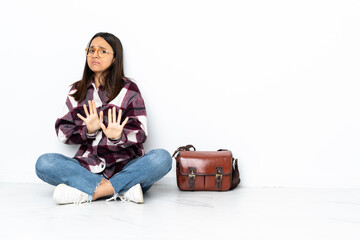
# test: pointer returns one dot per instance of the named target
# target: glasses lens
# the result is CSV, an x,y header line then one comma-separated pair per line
x,y
102,53
89,51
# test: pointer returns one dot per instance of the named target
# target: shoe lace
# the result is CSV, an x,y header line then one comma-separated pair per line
x,y
116,196
82,198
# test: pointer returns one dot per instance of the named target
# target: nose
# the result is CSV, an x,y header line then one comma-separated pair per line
x,y
96,54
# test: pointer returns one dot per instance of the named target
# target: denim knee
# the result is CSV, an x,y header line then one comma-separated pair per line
x,y
43,163
161,158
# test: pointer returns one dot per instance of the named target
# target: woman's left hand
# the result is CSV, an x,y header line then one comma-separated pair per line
x,y
114,128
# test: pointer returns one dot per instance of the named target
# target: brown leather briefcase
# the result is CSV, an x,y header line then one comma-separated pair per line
x,y
205,170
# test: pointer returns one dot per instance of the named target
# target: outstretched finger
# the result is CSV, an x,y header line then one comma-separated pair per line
x,y
81,117
85,110
114,115
125,121
101,116
94,107
119,117
91,111
109,116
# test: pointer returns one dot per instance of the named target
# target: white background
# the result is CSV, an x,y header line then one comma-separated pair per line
x,y
277,82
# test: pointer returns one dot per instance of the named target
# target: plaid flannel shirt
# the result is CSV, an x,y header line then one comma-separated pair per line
x,y
97,153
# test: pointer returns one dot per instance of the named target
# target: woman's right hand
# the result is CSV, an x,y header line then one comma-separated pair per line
x,y
92,119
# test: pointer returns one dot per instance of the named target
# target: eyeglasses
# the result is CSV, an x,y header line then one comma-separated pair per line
x,y
101,52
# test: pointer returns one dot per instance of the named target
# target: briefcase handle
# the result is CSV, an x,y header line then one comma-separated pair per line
x,y
184,148
188,148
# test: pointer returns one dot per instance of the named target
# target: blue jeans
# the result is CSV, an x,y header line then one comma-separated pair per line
x,y
55,168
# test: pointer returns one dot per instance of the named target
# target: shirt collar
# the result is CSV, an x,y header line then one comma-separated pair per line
x,y
92,84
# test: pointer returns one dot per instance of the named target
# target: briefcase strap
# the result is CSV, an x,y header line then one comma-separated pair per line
x,y
192,176
219,175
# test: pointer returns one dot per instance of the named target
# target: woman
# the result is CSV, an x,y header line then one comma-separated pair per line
x,y
104,113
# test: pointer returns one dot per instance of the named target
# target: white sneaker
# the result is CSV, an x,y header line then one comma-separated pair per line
x,y
134,194
64,194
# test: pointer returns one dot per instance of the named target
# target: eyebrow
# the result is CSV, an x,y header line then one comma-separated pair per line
x,y
100,47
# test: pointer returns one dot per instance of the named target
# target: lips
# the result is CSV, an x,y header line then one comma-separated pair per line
x,y
95,63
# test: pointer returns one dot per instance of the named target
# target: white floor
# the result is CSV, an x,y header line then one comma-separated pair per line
x,y
28,212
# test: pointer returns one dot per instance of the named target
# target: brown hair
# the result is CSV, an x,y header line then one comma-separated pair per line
x,y
113,76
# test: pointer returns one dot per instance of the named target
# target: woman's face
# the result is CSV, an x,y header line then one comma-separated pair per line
x,y
99,64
